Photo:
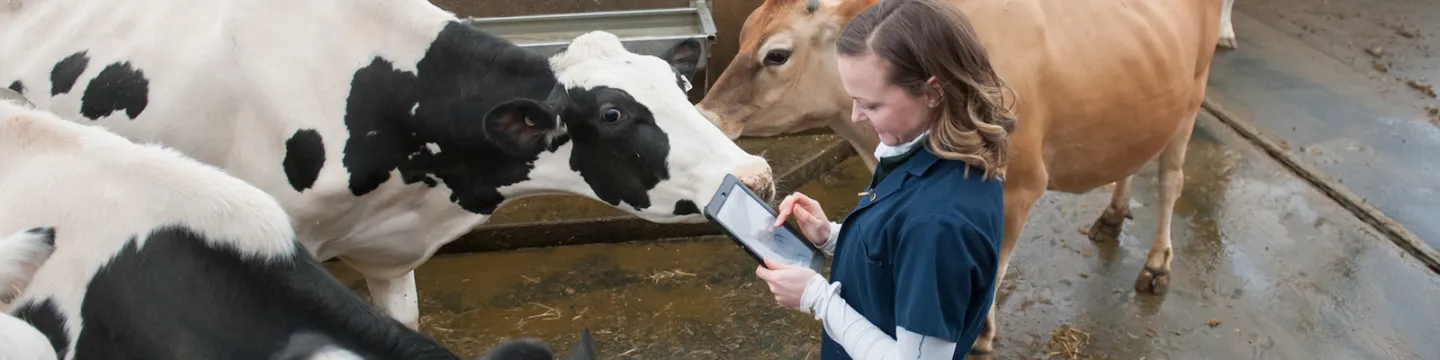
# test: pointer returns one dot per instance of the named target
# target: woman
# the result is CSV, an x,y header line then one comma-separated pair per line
x,y
919,253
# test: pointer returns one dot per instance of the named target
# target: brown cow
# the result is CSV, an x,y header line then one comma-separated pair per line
x,y
1103,87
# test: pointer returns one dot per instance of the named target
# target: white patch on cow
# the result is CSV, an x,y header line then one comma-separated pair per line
x,y
332,352
21,341
434,148
599,59
99,190
414,107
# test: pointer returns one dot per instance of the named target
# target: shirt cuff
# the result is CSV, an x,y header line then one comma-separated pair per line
x,y
829,246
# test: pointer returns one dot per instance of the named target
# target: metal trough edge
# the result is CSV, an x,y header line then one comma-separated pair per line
x,y
620,229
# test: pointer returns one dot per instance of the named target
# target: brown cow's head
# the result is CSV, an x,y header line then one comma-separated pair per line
x,y
784,77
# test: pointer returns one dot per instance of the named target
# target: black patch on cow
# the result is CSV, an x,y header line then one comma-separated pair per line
x,y
66,72
621,159
686,207
489,107
117,87
18,87
464,74
519,349
179,297
45,316
304,156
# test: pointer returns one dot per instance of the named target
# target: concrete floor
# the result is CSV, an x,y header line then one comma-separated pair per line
x,y
1279,270
1349,86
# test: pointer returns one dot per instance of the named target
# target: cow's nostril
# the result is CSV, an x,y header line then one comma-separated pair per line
x,y
763,185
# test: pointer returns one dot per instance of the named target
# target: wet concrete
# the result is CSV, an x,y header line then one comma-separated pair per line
x,y
1348,86
1265,267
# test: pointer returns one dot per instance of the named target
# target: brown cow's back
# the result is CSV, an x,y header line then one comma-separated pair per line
x,y
1078,67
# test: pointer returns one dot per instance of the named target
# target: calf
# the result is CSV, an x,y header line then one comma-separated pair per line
x,y
158,256
385,128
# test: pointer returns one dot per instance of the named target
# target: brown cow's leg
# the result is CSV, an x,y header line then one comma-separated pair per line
x,y
1025,182
1107,227
1155,276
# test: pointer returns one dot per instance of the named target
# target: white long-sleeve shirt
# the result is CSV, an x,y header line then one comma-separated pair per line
x,y
858,336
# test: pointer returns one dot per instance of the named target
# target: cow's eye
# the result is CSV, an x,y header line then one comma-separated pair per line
x,y
777,57
613,115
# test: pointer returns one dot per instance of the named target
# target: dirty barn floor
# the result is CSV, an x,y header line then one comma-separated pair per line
x,y
1265,267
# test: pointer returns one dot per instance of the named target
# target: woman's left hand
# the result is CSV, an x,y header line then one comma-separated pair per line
x,y
786,282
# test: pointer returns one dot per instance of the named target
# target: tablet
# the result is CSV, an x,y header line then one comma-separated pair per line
x,y
750,222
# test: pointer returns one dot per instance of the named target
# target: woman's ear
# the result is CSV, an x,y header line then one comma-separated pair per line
x,y
934,94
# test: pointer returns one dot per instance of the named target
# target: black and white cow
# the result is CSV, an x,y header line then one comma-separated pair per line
x,y
385,128
137,252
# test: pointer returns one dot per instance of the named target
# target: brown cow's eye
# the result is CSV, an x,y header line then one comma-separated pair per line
x,y
777,57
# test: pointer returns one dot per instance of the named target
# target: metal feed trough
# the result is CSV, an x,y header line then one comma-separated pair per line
x,y
646,31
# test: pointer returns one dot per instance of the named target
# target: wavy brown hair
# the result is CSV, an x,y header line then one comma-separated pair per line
x,y
924,38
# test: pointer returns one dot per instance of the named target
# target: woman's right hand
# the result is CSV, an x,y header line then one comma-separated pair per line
x,y
808,215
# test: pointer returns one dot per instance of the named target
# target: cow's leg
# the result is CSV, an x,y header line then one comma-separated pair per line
x,y
1227,31
1107,227
1155,276
1025,181
397,297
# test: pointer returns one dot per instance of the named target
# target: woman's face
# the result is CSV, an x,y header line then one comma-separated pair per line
x,y
897,115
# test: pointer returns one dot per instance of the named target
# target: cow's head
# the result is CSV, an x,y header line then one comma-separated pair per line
x,y
784,78
619,128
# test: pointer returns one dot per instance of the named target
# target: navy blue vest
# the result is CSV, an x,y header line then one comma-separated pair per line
x,y
921,250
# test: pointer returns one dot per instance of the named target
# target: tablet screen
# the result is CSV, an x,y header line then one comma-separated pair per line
x,y
753,224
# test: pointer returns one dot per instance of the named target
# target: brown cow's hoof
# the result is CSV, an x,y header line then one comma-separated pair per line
x,y
1153,281
1227,43
1107,227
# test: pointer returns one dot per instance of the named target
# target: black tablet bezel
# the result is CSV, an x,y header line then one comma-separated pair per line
x,y
817,259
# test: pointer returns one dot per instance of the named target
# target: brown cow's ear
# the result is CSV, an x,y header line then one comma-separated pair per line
x,y
520,126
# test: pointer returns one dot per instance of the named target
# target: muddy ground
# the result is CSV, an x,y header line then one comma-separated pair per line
x,y
1265,267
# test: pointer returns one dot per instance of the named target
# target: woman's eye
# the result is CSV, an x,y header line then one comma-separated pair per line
x,y
612,115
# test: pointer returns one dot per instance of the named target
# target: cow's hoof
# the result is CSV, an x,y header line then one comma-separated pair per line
x,y
1227,43
1107,227
1153,281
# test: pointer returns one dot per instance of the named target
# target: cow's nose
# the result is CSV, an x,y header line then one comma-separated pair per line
x,y
730,130
757,176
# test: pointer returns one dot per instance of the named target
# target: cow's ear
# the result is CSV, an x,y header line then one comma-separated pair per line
x,y
684,57
521,127
585,348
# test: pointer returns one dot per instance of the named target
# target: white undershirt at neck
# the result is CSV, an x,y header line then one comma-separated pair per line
x,y
884,151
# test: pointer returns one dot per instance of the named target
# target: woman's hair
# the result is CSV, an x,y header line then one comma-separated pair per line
x,y
924,38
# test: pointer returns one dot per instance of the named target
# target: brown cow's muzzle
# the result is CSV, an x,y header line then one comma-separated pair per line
x,y
731,129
